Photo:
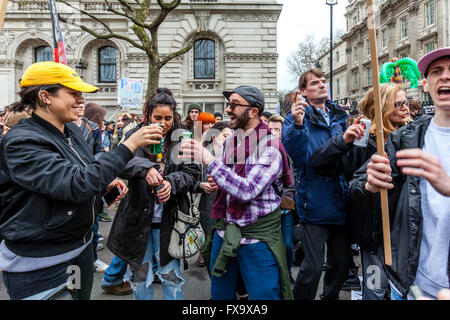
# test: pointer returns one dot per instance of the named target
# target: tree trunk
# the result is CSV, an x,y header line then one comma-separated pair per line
x,y
153,79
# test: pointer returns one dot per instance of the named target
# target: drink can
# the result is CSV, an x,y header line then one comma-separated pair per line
x,y
365,138
185,135
156,148
157,188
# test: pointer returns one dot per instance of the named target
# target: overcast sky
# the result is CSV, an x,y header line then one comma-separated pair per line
x,y
297,19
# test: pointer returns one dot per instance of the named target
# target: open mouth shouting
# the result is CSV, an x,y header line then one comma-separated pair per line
x,y
443,92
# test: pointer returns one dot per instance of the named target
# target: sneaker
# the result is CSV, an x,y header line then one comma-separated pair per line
x,y
100,246
100,266
104,217
122,289
200,262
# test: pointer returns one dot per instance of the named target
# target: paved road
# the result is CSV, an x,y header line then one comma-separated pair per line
x,y
196,287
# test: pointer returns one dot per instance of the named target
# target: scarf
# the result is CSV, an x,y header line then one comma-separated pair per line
x,y
262,132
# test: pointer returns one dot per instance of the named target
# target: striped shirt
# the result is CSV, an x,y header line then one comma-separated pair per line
x,y
254,189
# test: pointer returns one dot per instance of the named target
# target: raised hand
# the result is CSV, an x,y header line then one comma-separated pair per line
x,y
355,131
143,137
298,108
378,174
416,162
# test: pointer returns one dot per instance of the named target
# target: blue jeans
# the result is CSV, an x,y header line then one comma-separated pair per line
x,y
170,275
287,229
21,285
258,267
114,274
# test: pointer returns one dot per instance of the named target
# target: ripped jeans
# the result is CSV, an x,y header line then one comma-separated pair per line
x,y
171,278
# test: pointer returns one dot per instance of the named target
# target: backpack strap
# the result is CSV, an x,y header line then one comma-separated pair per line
x,y
87,124
277,191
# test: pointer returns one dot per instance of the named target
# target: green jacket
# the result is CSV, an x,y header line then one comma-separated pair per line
x,y
267,229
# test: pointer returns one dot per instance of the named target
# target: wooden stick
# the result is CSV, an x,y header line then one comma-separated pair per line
x,y
379,132
3,6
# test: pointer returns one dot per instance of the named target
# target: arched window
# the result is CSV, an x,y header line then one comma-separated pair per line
x,y
43,53
204,59
107,64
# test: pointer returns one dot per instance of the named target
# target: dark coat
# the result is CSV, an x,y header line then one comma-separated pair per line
x,y
335,158
48,183
405,212
132,223
318,200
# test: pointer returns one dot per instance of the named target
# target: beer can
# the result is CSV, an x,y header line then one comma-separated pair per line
x,y
156,189
185,135
365,138
156,148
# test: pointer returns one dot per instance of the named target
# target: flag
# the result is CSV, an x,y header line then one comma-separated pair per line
x,y
58,41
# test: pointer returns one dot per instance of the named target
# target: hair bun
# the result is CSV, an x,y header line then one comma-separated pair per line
x,y
164,90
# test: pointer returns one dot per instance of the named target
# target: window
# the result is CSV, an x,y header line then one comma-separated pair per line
x,y
338,87
384,39
355,21
403,55
356,81
368,47
43,53
429,13
429,47
204,59
107,64
355,54
369,76
337,56
404,27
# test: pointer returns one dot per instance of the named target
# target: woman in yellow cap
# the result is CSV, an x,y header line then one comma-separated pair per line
x,y
49,180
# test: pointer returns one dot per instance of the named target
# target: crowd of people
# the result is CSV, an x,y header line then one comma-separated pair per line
x,y
269,189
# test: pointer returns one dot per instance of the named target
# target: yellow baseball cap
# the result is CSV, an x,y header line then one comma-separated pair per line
x,y
49,72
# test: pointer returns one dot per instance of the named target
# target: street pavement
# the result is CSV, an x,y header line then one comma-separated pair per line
x,y
196,286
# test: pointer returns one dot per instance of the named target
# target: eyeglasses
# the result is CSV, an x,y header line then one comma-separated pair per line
x,y
233,105
399,104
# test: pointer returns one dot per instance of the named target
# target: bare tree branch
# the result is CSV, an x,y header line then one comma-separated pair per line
x,y
93,33
181,51
132,17
166,8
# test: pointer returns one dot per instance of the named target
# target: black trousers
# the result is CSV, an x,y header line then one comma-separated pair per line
x,y
338,249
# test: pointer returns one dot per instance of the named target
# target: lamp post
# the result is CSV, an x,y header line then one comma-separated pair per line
x,y
80,68
331,3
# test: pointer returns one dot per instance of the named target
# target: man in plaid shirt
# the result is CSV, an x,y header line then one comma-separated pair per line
x,y
249,175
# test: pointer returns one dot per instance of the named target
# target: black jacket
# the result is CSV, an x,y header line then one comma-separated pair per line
x,y
48,183
132,223
335,158
405,212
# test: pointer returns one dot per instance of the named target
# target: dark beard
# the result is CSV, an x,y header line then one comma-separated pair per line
x,y
241,121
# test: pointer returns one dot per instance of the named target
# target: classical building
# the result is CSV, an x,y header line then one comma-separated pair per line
x,y
405,28
237,45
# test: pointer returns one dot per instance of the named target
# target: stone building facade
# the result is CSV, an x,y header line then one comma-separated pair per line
x,y
237,45
405,28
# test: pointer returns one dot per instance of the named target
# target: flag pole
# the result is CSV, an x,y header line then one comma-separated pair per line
x,y
3,6
379,132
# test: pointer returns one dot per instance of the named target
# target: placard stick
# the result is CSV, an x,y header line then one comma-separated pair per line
x,y
3,5
379,122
